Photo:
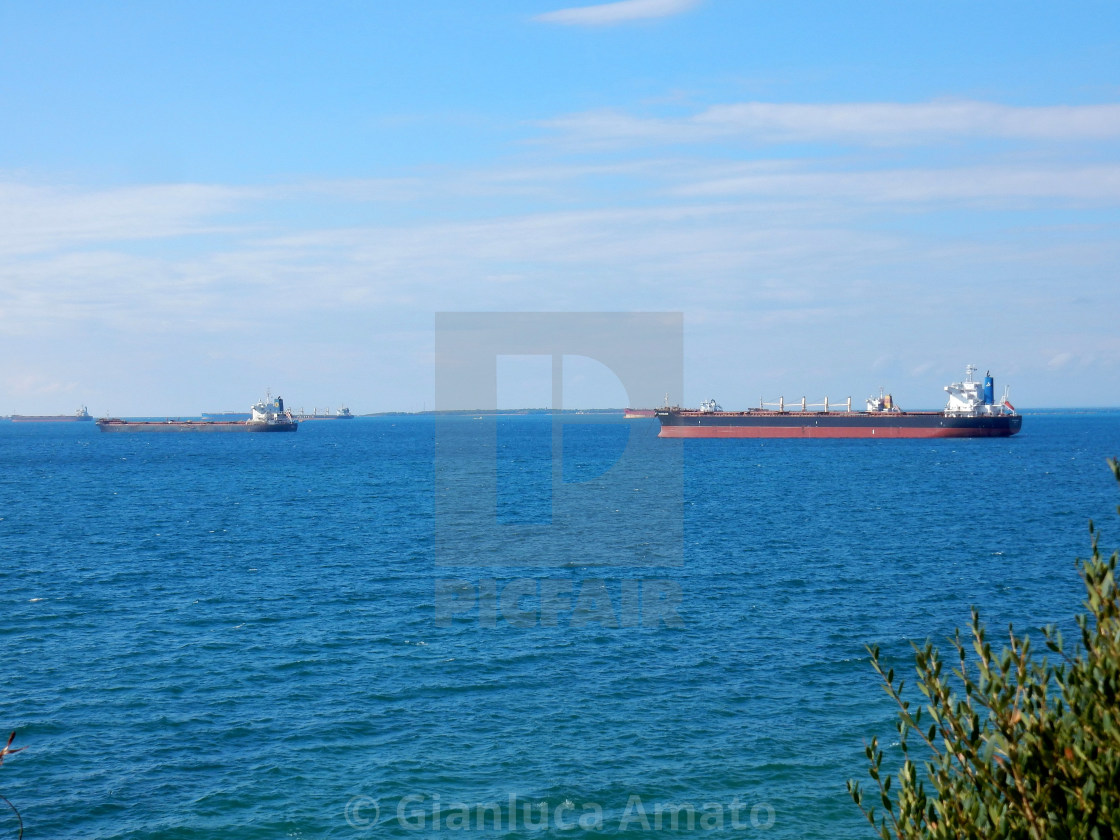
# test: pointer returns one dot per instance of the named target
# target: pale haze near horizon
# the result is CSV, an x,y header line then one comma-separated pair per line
x,y
202,202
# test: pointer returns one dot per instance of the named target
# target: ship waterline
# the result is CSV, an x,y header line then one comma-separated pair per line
x,y
117,425
931,424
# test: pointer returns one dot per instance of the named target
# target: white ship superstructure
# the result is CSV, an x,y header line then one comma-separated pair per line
x,y
976,399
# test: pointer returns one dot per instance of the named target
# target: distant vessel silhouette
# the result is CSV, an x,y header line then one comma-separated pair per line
x,y
342,414
270,416
79,415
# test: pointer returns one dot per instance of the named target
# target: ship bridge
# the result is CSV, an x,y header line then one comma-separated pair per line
x,y
971,398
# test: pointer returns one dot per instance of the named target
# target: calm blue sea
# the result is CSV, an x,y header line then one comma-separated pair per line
x,y
238,635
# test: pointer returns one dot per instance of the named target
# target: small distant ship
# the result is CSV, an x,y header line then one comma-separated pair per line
x,y
972,411
342,414
265,416
79,415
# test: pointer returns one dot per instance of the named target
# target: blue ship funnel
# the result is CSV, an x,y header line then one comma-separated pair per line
x,y
989,390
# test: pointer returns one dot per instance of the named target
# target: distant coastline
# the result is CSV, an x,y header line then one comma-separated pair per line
x,y
511,412
518,412
493,412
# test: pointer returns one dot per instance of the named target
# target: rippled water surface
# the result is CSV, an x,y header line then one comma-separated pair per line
x,y
238,635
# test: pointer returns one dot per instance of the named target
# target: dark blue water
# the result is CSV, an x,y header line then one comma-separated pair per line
x,y
207,636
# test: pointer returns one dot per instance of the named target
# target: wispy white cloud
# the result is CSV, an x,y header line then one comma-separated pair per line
x,y
609,14
984,184
871,124
35,219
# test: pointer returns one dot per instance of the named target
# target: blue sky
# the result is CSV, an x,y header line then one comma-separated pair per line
x,y
200,201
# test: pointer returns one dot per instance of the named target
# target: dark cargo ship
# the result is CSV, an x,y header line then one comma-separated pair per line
x,y
342,414
79,415
971,412
268,416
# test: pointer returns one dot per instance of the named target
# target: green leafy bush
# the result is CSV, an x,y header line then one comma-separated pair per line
x,y
1012,745
7,750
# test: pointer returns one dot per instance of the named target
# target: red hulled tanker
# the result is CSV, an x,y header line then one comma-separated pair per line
x,y
971,412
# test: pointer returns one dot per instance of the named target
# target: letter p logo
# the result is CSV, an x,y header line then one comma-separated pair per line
x,y
629,515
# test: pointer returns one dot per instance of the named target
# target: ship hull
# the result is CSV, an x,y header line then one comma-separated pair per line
x,y
208,426
760,424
